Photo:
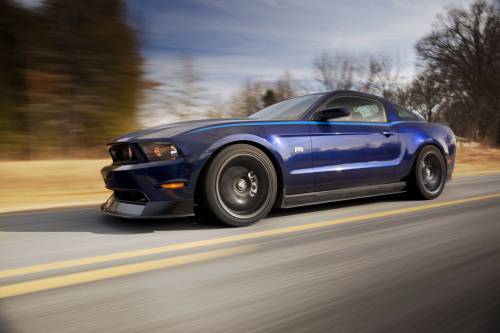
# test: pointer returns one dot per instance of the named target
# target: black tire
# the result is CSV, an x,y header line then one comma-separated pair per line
x,y
428,175
240,185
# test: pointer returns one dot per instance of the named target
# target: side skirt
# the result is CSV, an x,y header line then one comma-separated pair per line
x,y
312,198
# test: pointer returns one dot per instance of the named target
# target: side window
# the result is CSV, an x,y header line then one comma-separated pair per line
x,y
361,109
404,114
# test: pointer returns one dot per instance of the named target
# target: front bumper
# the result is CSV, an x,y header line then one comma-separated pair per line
x,y
146,179
155,209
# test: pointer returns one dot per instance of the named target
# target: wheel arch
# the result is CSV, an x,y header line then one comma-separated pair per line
x,y
421,147
265,149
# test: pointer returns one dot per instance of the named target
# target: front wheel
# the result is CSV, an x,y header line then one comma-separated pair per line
x,y
240,185
429,174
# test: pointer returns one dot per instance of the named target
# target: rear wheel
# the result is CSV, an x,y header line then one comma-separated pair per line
x,y
429,174
240,185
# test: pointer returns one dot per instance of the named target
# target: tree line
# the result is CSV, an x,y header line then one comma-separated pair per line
x,y
70,77
457,79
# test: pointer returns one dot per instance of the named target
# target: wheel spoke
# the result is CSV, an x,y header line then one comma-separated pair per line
x,y
243,186
253,183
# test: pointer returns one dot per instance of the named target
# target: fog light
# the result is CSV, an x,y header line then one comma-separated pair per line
x,y
172,186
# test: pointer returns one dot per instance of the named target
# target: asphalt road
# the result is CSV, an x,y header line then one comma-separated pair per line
x,y
374,265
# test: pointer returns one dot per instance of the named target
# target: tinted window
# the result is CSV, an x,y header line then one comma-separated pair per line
x,y
404,114
291,109
361,109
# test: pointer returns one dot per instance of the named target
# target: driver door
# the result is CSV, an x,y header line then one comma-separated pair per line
x,y
360,149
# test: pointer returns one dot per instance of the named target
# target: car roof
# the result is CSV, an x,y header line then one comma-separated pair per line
x,y
346,92
356,93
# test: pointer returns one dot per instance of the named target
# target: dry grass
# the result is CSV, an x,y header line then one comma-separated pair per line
x,y
44,184
477,160
58,183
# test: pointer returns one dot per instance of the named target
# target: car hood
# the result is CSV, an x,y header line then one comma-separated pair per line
x,y
170,130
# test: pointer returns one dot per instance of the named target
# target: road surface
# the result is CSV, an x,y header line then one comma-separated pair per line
x,y
373,265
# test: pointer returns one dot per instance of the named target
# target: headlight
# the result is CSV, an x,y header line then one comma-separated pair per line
x,y
157,151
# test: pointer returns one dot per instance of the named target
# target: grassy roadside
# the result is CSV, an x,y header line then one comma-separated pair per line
x,y
477,160
59,183
45,184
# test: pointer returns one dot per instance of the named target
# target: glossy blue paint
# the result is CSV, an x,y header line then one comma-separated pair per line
x,y
309,155
353,155
300,122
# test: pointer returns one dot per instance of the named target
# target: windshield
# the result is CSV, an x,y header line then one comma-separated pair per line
x,y
291,109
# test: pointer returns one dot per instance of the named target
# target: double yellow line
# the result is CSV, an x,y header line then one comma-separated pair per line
x,y
29,287
128,269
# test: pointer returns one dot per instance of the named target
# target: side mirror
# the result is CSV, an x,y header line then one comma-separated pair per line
x,y
332,113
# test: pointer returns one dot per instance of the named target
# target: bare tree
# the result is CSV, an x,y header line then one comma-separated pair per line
x,y
347,72
188,93
217,108
464,49
182,96
325,70
383,75
255,95
336,71
248,100
426,94
284,87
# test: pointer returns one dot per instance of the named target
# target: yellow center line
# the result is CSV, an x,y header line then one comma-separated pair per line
x,y
227,239
29,287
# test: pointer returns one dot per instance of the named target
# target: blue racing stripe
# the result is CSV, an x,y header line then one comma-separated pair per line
x,y
296,122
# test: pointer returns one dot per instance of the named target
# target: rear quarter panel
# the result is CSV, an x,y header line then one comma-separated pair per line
x,y
414,135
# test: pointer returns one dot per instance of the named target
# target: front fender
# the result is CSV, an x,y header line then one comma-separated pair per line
x,y
203,159
255,140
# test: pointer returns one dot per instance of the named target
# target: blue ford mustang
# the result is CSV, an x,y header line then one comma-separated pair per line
x,y
305,150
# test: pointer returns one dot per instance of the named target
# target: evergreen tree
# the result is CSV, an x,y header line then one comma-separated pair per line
x,y
269,98
71,75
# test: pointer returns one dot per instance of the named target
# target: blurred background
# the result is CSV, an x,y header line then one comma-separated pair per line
x,y
76,74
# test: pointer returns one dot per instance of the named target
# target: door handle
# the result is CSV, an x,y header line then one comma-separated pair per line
x,y
388,133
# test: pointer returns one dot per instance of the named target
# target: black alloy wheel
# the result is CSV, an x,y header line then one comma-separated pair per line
x,y
429,174
432,172
240,185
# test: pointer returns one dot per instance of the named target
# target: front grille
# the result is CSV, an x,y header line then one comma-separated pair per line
x,y
130,196
123,153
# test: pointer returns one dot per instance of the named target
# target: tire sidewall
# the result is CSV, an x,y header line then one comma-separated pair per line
x,y
211,178
419,183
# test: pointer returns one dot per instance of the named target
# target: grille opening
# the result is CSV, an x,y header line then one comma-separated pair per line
x,y
122,153
130,196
